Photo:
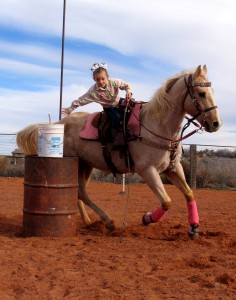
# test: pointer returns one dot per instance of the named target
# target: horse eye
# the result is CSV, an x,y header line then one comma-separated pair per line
x,y
202,94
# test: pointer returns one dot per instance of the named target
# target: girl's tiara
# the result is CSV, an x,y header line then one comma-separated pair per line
x,y
97,65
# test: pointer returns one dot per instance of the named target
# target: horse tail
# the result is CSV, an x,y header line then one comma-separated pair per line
x,y
27,139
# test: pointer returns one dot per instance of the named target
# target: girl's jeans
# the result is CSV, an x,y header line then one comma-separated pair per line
x,y
114,115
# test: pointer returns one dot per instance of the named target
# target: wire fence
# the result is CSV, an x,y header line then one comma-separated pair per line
x,y
7,143
204,165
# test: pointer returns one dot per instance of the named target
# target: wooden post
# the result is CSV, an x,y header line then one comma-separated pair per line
x,y
193,165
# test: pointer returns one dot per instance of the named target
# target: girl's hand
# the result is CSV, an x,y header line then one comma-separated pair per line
x,y
128,96
65,112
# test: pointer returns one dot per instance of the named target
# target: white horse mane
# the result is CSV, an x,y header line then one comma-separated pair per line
x,y
161,101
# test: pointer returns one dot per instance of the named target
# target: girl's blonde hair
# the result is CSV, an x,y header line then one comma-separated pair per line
x,y
99,70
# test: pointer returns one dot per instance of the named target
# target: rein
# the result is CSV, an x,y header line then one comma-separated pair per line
x,y
174,143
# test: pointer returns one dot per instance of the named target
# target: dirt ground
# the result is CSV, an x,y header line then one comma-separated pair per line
x,y
154,262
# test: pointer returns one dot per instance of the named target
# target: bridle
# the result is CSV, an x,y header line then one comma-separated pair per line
x,y
190,91
174,143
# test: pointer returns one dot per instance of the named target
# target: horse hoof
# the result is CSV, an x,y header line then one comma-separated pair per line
x,y
147,219
110,225
193,232
194,236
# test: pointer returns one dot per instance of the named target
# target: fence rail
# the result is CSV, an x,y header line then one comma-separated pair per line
x,y
213,146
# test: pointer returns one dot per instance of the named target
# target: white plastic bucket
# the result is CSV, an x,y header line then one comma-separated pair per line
x,y
50,140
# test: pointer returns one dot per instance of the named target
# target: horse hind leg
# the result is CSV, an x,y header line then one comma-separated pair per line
x,y
83,213
178,179
84,175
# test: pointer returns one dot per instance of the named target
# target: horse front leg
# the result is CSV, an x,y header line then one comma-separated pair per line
x,y
178,179
153,180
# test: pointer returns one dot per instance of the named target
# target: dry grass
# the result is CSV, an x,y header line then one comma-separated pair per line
x,y
10,167
212,172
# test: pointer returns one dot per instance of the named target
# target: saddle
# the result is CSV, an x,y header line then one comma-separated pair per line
x,y
98,127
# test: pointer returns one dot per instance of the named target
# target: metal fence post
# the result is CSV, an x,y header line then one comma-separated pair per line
x,y
123,185
193,166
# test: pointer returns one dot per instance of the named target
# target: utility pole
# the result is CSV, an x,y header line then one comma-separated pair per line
x,y
62,57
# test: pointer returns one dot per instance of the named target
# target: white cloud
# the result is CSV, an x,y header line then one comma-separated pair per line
x,y
22,108
26,50
154,27
182,33
161,35
27,68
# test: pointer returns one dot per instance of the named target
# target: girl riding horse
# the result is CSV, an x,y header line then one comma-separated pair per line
x,y
152,152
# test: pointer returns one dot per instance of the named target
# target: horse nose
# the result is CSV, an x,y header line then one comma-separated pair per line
x,y
215,124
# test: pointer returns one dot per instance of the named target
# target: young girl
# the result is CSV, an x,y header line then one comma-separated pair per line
x,y
105,91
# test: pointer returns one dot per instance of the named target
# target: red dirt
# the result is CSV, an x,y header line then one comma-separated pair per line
x,y
154,262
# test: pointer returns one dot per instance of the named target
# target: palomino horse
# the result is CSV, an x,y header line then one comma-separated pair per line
x,y
154,152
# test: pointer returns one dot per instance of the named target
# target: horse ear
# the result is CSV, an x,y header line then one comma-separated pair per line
x,y
205,69
198,71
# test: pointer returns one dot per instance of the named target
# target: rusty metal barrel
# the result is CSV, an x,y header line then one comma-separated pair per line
x,y
50,196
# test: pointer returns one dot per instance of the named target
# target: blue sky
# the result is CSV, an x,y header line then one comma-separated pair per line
x,y
143,44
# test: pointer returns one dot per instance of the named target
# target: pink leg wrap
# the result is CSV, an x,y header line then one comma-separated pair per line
x,y
192,213
158,214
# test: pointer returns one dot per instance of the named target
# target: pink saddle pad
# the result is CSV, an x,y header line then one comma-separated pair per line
x,y
89,132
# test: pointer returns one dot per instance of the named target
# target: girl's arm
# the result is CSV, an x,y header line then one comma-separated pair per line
x,y
82,100
125,87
